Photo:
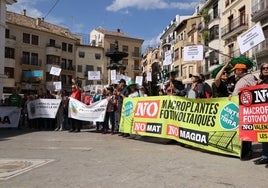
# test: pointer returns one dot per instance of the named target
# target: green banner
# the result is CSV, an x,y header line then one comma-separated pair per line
x,y
210,124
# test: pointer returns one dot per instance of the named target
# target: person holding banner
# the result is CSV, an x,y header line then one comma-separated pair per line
x,y
244,78
110,115
122,93
263,80
173,87
76,94
97,96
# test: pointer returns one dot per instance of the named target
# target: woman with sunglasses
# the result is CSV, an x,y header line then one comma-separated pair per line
x,y
263,80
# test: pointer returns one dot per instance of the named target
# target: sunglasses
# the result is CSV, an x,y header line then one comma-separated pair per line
x,y
264,68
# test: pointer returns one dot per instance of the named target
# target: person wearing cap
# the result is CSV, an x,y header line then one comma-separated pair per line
x,y
220,84
196,88
174,86
243,79
133,90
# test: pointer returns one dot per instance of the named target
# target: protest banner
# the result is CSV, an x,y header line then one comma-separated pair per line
x,y
43,108
94,112
9,117
253,112
207,124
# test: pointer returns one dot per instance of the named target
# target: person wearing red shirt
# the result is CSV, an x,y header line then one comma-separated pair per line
x,y
76,94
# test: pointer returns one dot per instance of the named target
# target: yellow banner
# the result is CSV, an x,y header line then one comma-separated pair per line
x,y
209,124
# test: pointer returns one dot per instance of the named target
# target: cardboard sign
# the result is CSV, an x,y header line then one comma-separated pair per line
x,y
193,53
250,38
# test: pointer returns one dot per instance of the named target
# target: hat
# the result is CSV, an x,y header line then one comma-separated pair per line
x,y
122,81
110,88
214,70
131,83
195,75
243,60
239,66
171,72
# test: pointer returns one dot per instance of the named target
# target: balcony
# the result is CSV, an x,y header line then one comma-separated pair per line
x,y
136,54
10,62
261,50
235,27
202,26
9,82
136,68
259,11
10,41
32,61
53,50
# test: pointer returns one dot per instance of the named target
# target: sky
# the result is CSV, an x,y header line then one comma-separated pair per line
x,y
144,19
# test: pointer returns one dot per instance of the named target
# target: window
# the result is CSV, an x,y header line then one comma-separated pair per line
x,y
52,42
9,53
7,33
25,57
231,50
9,72
79,68
214,32
70,64
63,79
125,48
213,58
112,47
136,65
34,59
81,54
97,56
52,59
215,11
64,46
64,63
70,48
89,68
26,38
99,69
35,40
49,77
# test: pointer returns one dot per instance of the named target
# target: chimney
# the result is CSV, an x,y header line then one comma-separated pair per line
x,y
38,21
24,12
118,30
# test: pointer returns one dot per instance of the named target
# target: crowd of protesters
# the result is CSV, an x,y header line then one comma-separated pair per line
x,y
229,78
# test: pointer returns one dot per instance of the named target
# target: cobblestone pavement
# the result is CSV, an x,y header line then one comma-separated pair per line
x,y
87,159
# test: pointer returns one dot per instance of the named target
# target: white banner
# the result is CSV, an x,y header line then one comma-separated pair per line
x,y
168,58
93,75
138,80
94,112
55,71
43,108
113,74
250,38
193,53
149,76
9,117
